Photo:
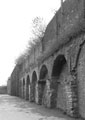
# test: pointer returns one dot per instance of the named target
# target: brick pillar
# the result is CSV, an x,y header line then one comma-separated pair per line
x,y
21,91
39,93
47,95
72,92
53,91
74,88
27,93
41,89
31,93
36,93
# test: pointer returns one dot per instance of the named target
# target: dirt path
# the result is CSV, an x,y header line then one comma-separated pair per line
x,y
13,108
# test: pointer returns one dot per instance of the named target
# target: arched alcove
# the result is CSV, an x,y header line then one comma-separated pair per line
x,y
43,72
42,83
58,65
28,80
59,76
23,87
27,87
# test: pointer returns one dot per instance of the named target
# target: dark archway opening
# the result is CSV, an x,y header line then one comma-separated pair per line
x,y
23,88
59,75
59,63
42,84
43,72
33,86
27,87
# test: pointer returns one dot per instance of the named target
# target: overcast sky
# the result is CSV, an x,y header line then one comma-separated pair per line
x,y
15,27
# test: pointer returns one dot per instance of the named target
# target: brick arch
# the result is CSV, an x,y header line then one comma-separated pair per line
x,y
42,83
34,76
58,64
33,87
43,72
34,71
28,79
27,86
60,82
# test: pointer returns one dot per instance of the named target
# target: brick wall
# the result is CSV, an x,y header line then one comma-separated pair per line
x,y
62,37
81,82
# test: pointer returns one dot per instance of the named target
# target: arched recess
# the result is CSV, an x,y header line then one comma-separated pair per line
x,y
27,87
33,86
23,87
42,83
20,88
59,77
58,65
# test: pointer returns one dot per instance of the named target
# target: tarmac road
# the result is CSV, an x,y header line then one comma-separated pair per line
x,y
14,108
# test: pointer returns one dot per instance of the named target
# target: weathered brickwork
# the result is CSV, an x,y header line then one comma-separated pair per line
x,y
53,75
81,81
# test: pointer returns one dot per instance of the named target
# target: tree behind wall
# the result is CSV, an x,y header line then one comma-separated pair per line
x,y
38,30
